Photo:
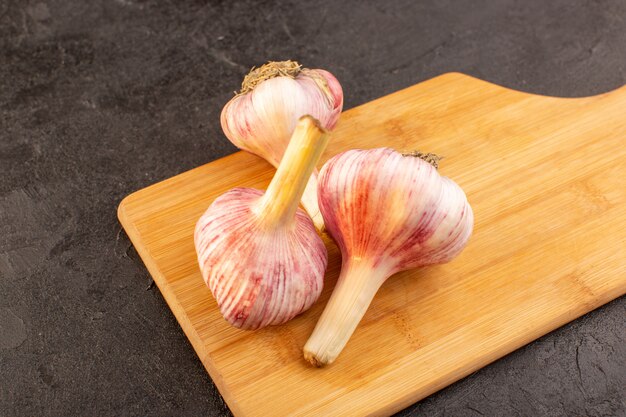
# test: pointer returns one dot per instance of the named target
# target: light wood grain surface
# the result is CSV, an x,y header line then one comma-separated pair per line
x,y
546,179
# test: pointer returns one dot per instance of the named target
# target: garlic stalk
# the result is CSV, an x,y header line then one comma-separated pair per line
x,y
388,212
261,118
260,254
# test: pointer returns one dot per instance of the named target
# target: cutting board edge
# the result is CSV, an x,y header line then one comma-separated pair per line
x,y
491,84
172,302
509,348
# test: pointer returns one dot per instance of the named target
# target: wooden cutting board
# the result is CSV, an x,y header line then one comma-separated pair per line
x,y
546,178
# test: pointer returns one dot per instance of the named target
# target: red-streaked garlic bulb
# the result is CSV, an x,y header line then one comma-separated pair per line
x,y
261,118
388,212
260,254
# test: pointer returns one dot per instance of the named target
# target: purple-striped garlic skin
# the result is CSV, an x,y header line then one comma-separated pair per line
x,y
387,212
262,119
258,252
258,276
393,209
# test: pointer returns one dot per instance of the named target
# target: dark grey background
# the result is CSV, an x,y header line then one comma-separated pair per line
x,y
101,98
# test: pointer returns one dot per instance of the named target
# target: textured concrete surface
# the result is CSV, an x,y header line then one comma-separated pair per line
x,y
101,98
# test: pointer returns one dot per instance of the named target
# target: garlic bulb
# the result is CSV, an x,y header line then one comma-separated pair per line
x,y
260,254
388,212
261,118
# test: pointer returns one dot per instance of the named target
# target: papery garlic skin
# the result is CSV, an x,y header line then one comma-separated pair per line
x,y
387,212
258,279
381,205
262,120
259,254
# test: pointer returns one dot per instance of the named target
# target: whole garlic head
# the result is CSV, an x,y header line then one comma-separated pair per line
x,y
258,277
260,254
262,117
388,212
393,209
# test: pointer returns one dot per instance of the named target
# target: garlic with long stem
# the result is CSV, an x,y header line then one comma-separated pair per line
x,y
388,212
260,254
261,118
